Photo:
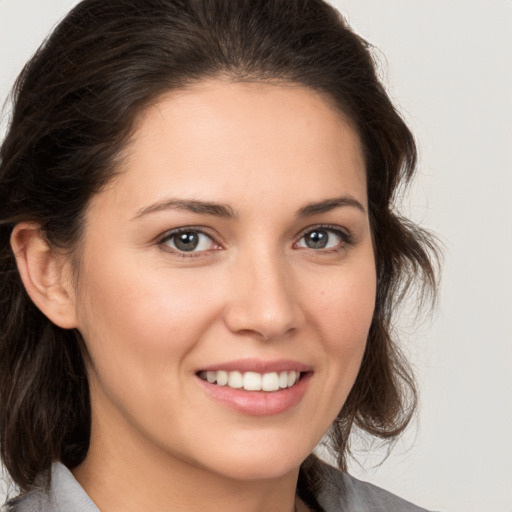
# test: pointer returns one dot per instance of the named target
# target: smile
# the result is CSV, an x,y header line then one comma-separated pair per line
x,y
252,381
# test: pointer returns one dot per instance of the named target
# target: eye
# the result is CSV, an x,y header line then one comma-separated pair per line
x,y
188,241
324,238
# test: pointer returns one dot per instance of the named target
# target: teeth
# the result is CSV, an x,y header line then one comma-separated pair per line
x,y
283,380
252,381
235,380
222,378
270,382
293,377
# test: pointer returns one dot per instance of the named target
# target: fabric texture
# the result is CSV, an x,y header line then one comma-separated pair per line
x,y
342,493
65,495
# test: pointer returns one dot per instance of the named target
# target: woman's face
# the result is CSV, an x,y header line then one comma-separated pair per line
x,y
234,245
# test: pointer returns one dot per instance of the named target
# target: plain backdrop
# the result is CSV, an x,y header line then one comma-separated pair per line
x,y
448,66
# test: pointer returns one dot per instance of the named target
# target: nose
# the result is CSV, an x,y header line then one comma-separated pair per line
x,y
263,298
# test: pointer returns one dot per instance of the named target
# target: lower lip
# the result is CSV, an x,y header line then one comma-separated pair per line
x,y
258,403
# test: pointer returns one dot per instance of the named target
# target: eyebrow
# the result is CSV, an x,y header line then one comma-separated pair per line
x,y
202,207
330,204
225,211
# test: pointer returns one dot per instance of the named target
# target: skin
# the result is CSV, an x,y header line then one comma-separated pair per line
x,y
152,317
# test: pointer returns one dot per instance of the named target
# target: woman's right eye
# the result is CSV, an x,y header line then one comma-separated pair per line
x,y
189,241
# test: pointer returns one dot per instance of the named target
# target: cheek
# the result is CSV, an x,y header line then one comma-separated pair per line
x,y
141,314
343,312
344,308
138,332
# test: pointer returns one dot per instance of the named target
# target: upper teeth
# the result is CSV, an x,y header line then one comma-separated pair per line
x,y
252,381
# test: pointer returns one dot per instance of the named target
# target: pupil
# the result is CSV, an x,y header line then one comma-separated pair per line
x,y
187,241
317,240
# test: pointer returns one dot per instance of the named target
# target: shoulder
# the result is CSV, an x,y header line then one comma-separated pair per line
x,y
64,494
342,492
36,500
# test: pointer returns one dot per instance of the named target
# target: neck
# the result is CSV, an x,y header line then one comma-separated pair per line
x,y
121,480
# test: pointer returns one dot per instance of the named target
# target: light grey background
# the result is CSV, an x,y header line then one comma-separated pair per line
x,y
448,65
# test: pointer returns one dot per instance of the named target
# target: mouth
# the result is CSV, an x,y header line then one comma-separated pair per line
x,y
252,381
256,387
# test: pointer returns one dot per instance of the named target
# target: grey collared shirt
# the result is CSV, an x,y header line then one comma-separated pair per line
x,y
342,493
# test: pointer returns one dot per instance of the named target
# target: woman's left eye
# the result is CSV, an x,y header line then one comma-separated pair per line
x,y
189,241
324,238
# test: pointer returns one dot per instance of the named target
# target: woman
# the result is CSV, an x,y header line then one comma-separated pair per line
x,y
199,260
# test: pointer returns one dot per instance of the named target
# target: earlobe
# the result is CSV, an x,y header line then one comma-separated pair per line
x,y
46,274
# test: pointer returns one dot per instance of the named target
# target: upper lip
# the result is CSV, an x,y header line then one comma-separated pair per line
x,y
258,366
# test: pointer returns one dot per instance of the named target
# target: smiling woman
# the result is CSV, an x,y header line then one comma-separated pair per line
x,y
200,259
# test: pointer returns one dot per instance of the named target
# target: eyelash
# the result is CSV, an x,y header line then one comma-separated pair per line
x,y
346,240
169,236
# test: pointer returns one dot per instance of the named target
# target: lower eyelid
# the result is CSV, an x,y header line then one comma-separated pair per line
x,y
345,238
171,235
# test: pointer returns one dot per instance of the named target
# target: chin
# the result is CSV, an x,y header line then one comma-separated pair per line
x,y
269,469
257,463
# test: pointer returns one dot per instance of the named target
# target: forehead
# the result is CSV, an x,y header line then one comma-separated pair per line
x,y
216,137
218,103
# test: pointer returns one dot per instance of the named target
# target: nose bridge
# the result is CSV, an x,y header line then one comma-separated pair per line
x,y
263,299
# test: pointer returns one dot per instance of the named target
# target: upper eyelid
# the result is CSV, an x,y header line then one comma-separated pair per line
x,y
176,231
161,242
346,237
215,238
327,227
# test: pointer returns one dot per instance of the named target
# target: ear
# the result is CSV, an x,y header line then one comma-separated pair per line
x,y
46,274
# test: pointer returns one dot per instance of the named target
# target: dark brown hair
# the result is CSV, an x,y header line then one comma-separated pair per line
x,y
74,106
